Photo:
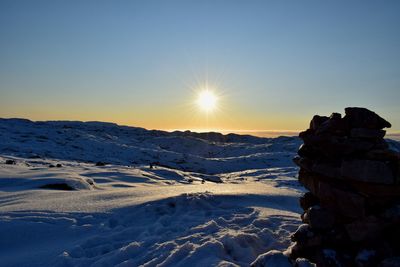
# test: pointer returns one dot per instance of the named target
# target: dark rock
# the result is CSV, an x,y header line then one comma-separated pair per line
x,y
391,234
367,133
295,251
306,134
60,186
380,144
376,191
383,155
317,121
308,200
10,162
304,163
319,218
335,116
272,258
392,213
337,238
305,237
327,169
352,212
59,165
306,151
344,203
366,258
364,229
100,163
364,118
333,146
369,171
356,145
329,258
309,181
302,234
390,262
51,166
335,126
302,262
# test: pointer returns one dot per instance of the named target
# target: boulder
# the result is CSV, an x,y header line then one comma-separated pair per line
x,y
306,151
308,200
364,229
333,146
10,162
319,218
302,233
327,169
335,126
377,192
337,238
306,237
345,204
317,121
309,181
383,155
304,163
364,118
369,171
295,250
367,133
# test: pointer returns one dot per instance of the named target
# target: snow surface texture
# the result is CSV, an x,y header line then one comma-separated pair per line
x,y
96,141
162,199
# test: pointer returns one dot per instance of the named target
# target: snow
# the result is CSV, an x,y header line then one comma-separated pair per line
x,y
95,141
162,199
272,258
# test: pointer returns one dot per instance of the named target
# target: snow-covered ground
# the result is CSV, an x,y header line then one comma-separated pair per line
x,y
162,199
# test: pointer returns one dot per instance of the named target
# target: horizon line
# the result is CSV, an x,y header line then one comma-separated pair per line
x,y
199,130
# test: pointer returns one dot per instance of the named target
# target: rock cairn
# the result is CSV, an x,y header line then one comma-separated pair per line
x,y
352,210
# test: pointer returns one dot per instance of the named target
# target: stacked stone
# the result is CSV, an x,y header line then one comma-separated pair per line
x,y
352,210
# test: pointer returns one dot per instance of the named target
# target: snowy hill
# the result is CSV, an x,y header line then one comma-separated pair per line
x,y
208,153
161,199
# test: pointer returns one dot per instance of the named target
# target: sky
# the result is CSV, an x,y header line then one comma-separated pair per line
x,y
272,64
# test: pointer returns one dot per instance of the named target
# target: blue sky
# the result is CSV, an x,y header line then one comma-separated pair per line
x,y
273,63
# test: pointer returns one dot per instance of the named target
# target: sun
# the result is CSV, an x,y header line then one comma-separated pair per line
x,y
207,100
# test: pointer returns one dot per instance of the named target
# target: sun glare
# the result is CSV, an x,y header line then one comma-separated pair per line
x,y
207,100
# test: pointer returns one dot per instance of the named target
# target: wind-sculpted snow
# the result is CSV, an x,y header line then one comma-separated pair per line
x,y
140,216
197,229
107,142
99,194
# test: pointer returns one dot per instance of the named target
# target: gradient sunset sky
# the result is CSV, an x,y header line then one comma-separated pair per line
x,y
272,64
